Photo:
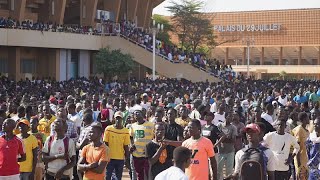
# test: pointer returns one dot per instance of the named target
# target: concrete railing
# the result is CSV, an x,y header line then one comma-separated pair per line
x,y
291,69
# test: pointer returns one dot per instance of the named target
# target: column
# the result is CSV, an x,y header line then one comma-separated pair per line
x,y
226,57
318,56
56,59
84,63
63,64
244,56
280,56
148,14
14,57
299,55
17,10
132,9
262,57
88,10
56,11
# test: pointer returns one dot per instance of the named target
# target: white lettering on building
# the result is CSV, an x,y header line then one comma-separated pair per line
x,y
248,27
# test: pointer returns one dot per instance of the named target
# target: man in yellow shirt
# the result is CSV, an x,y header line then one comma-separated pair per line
x,y
46,121
117,138
141,133
27,167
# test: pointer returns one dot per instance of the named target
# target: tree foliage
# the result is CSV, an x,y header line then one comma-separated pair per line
x,y
193,27
113,62
163,35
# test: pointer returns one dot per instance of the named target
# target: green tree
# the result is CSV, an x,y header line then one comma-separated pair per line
x,y
113,62
163,35
283,75
193,27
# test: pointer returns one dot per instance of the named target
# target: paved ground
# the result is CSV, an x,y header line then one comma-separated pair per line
x,y
125,174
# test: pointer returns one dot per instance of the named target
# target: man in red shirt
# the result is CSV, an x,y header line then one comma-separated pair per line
x,y
10,147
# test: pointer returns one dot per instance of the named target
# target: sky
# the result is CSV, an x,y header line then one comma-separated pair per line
x,y
244,5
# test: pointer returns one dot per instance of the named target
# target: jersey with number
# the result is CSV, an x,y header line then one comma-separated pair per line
x,y
142,134
202,149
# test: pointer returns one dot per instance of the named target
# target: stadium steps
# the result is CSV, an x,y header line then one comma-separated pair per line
x,y
163,67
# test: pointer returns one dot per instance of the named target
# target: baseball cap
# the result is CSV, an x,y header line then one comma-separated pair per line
x,y
24,121
144,94
52,99
274,102
118,114
254,127
97,124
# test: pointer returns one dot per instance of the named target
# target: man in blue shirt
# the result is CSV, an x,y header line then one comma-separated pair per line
x,y
300,98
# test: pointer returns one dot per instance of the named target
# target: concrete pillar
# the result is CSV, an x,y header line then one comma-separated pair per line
x,y
56,59
144,7
262,57
149,14
17,10
84,63
226,57
56,10
280,56
244,56
113,6
88,10
299,55
132,9
63,65
318,55
14,59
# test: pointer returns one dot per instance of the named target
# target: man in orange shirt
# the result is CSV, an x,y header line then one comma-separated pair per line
x,y
94,156
202,150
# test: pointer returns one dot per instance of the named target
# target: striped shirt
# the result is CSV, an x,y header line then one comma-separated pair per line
x,y
142,134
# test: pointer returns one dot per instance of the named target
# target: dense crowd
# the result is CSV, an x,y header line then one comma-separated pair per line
x,y
139,36
92,129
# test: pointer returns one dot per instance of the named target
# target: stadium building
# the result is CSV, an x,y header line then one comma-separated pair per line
x,y
278,40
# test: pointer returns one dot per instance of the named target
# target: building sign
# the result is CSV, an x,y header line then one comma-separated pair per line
x,y
249,28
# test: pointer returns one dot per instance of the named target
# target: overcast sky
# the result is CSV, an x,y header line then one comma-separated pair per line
x,y
245,5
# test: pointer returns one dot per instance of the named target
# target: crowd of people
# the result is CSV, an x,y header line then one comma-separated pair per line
x,y
164,129
130,31
172,53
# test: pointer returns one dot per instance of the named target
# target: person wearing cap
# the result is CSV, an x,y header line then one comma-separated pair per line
x,y
27,167
10,147
53,103
94,156
280,142
117,138
253,136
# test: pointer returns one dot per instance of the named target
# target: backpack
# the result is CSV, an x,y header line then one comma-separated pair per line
x,y
66,147
253,164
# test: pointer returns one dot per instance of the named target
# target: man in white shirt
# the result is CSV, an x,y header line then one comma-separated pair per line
x,y
268,114
280,142
253,135
181,160
219,117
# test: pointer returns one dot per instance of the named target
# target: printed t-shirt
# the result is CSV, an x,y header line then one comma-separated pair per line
x,y
9,151
57,147
201,150
116,139
142,134
95,154
30,143
165,159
